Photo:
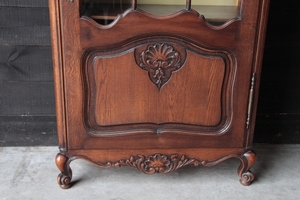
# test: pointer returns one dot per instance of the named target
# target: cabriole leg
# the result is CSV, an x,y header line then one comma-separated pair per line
x,y
247,161
63,164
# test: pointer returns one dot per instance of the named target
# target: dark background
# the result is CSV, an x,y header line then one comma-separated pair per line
x,y
27,108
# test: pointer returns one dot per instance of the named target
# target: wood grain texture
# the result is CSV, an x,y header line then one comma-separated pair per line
x,y
175,103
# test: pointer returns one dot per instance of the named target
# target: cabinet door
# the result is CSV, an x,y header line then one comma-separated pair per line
x,y
157,81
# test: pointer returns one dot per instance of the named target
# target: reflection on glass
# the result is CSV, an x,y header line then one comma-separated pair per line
x,y
161,7
104,11
215,2
217,12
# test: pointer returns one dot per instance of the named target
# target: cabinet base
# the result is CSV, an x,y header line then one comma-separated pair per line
x,y
157,163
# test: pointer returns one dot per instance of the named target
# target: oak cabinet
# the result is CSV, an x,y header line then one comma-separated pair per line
x,y
156,87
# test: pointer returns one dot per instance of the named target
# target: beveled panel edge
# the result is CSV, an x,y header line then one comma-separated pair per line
x,y
152,128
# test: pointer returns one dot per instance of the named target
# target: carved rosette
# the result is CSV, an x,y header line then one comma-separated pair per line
x,y
157,163
160,61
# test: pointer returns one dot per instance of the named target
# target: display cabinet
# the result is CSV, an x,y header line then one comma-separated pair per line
x,y
156,85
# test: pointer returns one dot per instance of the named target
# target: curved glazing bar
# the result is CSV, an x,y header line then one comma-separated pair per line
x,y
105,11
162,7
216,12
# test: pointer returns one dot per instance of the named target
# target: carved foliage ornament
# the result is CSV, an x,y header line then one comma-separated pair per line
x,y
157,163
160,61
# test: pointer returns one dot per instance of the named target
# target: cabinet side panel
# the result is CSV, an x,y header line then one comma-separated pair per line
x,y
257,62
58,73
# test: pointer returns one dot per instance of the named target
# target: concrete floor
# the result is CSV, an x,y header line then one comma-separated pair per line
x,y
30,173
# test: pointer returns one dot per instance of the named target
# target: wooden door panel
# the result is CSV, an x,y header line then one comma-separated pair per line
x,y
96,117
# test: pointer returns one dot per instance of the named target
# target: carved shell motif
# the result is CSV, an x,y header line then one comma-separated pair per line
x,y
157,163
160,60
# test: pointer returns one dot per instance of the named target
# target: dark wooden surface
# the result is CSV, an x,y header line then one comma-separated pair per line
x,y
26,84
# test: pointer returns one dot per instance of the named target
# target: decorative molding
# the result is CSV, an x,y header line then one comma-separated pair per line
x,y
160,61
157,163
184,47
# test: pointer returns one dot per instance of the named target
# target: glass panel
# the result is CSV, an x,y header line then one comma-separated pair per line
x,y
217,11
216,2
104,11
161,7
